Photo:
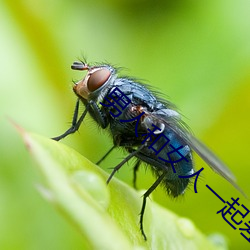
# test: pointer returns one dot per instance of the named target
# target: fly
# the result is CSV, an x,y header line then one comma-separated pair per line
x,y
148,127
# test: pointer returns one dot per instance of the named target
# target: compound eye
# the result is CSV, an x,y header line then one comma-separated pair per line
x,y
97,79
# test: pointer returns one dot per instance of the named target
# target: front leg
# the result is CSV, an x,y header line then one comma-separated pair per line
x,y
75,124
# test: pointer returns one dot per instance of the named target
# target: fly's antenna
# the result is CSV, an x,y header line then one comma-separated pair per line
x,y
80,66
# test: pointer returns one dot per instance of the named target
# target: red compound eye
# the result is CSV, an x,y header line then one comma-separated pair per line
x,y
97,79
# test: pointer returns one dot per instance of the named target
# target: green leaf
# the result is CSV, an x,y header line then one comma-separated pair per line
x,y
107,215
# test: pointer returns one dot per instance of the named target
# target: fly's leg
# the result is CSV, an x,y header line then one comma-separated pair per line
x,y
124,143
135,169
91,107
105,155
123,162
145,196
75,124
99,116
128,143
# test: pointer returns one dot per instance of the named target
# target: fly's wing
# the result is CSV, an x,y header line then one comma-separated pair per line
x,y
174,123
212,160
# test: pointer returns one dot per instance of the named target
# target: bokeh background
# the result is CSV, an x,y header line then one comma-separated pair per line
x,y
195,52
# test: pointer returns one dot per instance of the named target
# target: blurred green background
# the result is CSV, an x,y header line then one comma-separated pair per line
x,y
195,52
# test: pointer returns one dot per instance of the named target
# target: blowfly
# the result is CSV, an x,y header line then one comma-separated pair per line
x,y
148,127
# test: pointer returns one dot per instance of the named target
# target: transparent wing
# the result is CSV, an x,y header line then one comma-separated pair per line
x,y
175,124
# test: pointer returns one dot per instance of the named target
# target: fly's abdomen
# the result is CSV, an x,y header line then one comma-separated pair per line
x,y
170,155
175,185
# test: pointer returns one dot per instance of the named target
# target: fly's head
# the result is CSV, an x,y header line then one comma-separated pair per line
x,y
96,79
